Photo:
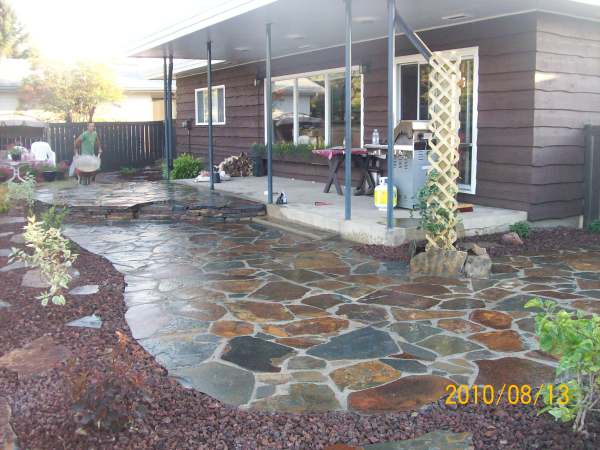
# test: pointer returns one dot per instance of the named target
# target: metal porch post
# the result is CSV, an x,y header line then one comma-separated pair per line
x,y
210,114
170,109
390,112
166,113
348,115
269,106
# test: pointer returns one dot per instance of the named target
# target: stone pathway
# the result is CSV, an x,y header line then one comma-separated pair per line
x,y
265,319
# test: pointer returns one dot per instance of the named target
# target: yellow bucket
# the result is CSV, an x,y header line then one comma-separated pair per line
x,y
380,196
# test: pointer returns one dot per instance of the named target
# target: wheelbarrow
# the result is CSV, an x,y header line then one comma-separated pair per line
x,y
86,168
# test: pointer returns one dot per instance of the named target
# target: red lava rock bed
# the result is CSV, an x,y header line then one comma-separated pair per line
x,y
173,417
540,241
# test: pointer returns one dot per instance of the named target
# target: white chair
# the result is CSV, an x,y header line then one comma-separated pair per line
x,y
41,151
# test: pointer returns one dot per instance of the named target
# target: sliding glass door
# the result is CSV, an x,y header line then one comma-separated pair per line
x,y
412,101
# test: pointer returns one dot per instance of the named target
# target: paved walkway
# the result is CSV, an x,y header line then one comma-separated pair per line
x,y
265,319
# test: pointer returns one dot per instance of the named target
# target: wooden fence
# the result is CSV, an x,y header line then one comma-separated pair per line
x,y
123,143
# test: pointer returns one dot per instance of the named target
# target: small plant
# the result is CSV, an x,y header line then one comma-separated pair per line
x,y
111,399
51,254
594,226
16,153
523,229
23,192
54,217
126,171
575,339
283,149
4,202
186,166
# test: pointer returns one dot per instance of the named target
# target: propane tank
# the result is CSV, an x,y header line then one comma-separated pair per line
x,y
381,194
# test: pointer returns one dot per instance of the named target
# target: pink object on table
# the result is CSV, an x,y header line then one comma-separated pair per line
x,y
333,151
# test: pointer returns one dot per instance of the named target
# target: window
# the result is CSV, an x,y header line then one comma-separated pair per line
x,y
218,106
309,109
412,102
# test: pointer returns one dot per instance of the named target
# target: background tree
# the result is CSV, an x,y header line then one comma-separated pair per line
x,y
70,93
14,40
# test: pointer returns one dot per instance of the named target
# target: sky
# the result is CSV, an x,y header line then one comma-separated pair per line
x,y
101,30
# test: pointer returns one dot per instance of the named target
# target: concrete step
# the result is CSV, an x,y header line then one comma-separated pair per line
x,y
296,228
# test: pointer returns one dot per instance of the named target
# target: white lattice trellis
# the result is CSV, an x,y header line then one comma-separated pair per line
x,y
444,109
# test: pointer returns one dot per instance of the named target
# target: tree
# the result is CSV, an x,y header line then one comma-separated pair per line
x,y
14,40
70,93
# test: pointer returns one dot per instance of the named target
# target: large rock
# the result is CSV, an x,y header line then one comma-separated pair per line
x,y
36,357
478,266
511,239
438,262
8,438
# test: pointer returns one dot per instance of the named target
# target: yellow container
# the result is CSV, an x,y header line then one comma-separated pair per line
x,y
380,195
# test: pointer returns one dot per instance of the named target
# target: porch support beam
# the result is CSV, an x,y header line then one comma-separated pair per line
x,y
269,129
210,113
166,113
391,50
348,115
170,112
414,39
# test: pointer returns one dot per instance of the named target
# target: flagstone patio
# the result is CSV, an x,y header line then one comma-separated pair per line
x,y
265,319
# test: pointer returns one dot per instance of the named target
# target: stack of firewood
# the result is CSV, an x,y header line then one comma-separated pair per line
x,y
237,166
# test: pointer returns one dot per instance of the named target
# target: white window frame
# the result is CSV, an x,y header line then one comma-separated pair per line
x,y
468,52
326,73
205,89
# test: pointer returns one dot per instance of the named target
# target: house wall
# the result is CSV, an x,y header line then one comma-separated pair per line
x,y
522,163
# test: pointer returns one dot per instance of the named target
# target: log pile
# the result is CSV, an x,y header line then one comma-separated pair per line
x,y
237,166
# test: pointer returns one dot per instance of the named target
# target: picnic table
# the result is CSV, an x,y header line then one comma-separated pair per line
x,y
361,159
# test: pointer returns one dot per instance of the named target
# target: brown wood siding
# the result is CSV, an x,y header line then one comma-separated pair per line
x,y
567,97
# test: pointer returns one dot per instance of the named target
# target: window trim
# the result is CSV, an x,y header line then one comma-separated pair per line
x,y
326,73
471,52
215,122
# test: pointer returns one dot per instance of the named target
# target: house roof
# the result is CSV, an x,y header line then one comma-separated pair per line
x,y
236,28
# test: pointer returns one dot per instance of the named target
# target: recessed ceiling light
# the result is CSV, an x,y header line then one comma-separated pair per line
x,y
364,19
457,16
242,49
295,37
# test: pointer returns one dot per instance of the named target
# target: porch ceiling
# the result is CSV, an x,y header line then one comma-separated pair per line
x,y
237,27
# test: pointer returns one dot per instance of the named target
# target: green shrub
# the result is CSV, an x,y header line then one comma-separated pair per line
x,y
51,253
23,192
594,226
283,149
523,229
575,339
53,217
186,166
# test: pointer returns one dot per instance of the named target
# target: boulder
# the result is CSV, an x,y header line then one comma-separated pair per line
x,y
478,266
511,239
438,262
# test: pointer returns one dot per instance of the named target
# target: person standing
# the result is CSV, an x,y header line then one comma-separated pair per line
x,y
88,142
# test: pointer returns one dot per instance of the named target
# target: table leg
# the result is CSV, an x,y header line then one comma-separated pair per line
x,y
334,165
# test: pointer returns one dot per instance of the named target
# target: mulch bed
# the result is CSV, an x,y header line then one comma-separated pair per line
x,y
179,418
540,241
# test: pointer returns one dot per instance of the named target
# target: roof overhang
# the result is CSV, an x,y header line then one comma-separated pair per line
x,y
236,28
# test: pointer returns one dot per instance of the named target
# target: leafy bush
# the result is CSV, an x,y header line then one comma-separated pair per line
x,y
523,229
4,202
111,399
54,217
23,192
575,338
51,254
594,226
127,171
283,149
186,166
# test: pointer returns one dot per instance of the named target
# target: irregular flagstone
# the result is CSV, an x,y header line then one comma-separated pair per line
x,y
585,284
92,321
436,440
405,394
493,294
299,342
174,353
4,304
199,310
36,357
459,326
558,295
5,252
425,289
410,351
88,289
6,220
591,306
324,301
448,345
405,365
256,354
328,285
318,260
309,377
369,280
492,319
362,313
359,344
299,275
305,362
318,326
301,398
442,281
451,368
589,263
18,239
274,378
462,303
392,298
515,303
278,291
231,328
307,311
355,291
538,354
228,384
417,314
503,268
146,319
259,312
413,332
511,370
364,375
33,279
8,437
527,324
237,286
13,266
